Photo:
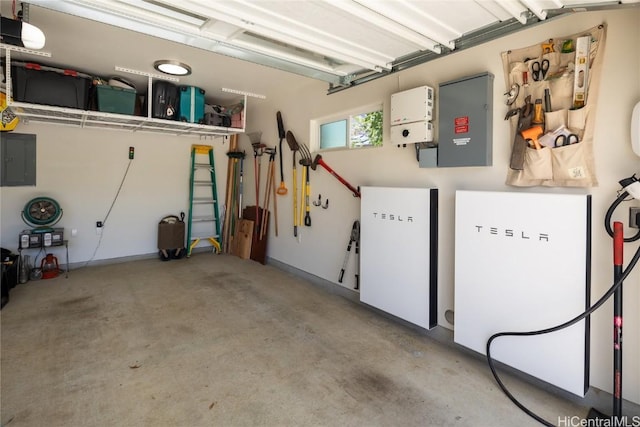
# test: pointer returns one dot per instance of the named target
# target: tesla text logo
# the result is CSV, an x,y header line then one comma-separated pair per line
x,y
516,234
392,217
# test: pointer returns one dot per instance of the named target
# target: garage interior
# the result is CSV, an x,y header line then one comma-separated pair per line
x,y
214,339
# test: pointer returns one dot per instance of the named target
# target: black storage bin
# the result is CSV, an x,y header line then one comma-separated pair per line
x,y
40,84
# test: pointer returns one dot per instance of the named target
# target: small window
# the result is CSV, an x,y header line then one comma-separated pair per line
x,y
358,128
333,134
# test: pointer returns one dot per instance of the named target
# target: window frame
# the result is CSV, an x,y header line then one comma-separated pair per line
x,y
347,115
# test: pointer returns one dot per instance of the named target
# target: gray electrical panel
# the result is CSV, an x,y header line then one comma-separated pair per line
x,y
465,121
18,158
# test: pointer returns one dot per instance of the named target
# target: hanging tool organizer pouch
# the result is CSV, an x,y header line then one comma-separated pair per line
x,y
552,90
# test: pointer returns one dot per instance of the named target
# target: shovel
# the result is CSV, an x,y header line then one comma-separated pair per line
x,y
282,190
293,145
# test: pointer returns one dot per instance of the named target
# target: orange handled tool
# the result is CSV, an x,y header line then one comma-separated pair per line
x,y
532,134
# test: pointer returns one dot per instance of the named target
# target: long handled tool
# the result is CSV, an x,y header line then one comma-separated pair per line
x,y
303,184
275,200
354,238
258,150
318,161
241,186
293,145
227,226
267,192
306,186
282,190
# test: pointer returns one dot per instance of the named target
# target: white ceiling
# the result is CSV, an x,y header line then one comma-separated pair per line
x,y
341,42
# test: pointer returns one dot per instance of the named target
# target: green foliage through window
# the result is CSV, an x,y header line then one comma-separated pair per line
x,y
357,128
366,130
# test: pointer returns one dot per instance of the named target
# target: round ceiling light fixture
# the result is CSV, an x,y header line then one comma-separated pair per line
x,y
174,68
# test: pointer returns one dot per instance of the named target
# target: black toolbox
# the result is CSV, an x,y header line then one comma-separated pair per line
x,y
41,84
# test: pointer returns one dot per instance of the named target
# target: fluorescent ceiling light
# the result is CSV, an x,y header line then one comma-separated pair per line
x,y
171,67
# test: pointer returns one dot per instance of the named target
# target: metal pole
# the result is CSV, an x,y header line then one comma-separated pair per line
x,y
618,242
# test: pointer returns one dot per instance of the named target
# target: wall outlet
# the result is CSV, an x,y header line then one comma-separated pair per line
x,y
634,217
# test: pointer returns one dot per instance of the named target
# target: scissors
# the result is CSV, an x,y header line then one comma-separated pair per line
x,y
539,69
562,140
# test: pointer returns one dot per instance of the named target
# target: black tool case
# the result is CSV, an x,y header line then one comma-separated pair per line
x,y
41,84
165,98
214,116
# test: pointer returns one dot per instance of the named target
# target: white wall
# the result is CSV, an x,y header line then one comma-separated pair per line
x,y
322,247
83,168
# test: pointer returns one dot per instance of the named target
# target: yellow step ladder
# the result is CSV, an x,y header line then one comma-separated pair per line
x,y
203,199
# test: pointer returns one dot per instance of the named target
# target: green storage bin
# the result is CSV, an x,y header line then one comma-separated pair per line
x,y
116,100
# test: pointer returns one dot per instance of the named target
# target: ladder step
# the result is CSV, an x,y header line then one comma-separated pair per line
x,y
203,201
201,183
203,219
203,165
204,237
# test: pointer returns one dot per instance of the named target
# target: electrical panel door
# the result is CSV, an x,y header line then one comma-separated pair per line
x,y
465,121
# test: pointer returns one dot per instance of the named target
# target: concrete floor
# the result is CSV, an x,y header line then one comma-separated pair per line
x,y
219,341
